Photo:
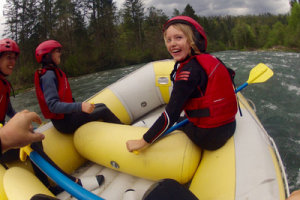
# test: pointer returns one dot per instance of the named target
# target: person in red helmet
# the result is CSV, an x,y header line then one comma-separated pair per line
x,y
202,88
56,102
9,51
55,96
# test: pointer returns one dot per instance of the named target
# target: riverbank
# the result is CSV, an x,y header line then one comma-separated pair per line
x,y
284,49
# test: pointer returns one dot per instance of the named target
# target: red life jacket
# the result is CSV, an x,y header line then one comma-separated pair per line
x,y
4,97
218,105
64,91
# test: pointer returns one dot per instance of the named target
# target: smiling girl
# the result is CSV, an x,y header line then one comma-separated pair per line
x,y
9,51
202,88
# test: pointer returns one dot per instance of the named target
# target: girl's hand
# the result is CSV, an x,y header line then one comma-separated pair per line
x,y
87,107
134,145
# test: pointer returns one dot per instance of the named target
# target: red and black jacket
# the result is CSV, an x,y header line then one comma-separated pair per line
x,y
191,85
64,91
218,105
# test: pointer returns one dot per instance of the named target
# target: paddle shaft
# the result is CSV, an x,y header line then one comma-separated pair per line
x,y
241,87
70,186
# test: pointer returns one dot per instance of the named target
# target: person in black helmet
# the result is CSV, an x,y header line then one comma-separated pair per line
x,y
202,88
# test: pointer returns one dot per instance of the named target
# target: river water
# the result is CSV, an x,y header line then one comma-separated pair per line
x,y
277,100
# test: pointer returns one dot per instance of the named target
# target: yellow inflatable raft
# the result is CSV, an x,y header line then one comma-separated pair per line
x,y
247,167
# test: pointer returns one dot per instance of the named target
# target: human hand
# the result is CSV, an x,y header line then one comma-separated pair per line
x,y
87,107
135,145
17,132
295,195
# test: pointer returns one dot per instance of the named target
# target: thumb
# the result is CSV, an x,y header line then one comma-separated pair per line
x,y
128,146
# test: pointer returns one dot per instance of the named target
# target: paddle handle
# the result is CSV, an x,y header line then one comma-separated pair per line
x,y
241,87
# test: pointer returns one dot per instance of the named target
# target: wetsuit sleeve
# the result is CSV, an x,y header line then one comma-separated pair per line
x,y
185,87
49,86
10,111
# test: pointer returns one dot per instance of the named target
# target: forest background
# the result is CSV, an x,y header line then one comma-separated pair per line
x,y
96,36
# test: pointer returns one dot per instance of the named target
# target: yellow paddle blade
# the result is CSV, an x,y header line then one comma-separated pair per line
x,y
260,73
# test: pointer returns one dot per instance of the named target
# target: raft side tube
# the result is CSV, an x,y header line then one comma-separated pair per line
x,y
174,156
150,87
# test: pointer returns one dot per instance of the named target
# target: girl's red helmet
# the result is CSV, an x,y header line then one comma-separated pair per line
x,y
9,45
45,48
198,29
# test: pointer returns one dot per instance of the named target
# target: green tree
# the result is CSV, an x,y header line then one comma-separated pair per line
x,y
102,30
153,34
64,28
131,40
263,35
79,49
292,2
276,35
175,12
293,29
46,20
133,18
243,36
189,11
220,33
21,23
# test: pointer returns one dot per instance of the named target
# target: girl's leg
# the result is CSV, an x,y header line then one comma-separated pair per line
x,y
95,180
73,121
102,112
210,138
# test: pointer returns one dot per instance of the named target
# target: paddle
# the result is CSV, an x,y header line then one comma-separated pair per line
x,y
260,73
67,184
